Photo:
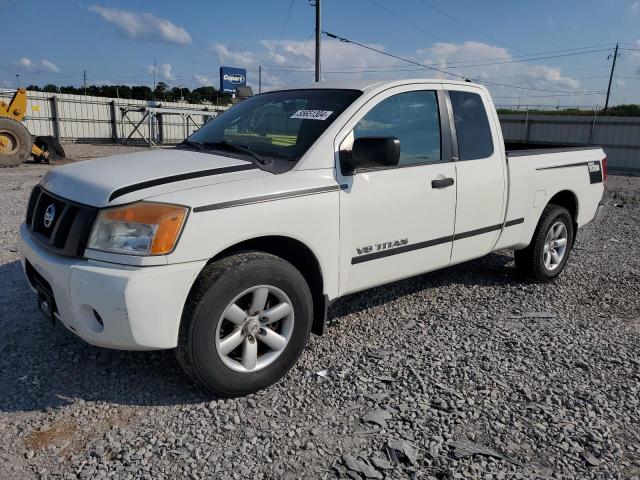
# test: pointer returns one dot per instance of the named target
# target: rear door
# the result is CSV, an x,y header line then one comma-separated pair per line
x,y
398,221
480,172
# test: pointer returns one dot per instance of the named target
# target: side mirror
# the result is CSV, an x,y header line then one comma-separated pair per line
x,y
369,153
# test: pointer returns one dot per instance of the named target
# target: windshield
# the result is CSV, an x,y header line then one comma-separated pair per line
x,y
273,130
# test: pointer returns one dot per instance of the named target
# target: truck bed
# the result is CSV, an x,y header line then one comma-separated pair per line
x,y
518,149
537,172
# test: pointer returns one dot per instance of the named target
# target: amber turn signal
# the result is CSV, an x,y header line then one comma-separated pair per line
x,y
167,219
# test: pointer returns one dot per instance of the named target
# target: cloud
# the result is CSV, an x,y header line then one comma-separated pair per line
x,y
143,26
227,56
44,66
635,8
164,71
202,80
290,62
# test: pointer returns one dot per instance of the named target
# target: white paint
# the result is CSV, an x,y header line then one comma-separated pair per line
x,y
539,198
142,297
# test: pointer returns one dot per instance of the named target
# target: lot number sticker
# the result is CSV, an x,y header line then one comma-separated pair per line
x,y
312,114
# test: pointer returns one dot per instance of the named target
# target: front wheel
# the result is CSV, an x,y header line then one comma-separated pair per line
x,y
245,324
546,256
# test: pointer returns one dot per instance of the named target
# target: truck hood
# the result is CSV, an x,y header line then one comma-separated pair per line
x,y
134,176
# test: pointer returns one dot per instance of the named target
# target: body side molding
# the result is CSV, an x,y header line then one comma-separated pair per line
x,y
431,243
266,198
579,164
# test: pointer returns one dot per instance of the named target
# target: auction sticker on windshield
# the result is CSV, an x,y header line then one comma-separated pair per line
x,y
312,114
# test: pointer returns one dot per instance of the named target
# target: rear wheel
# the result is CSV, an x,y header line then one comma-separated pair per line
x,y
545,258
246,323
15,143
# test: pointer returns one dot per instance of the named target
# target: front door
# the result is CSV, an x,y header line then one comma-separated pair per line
x,y
398,221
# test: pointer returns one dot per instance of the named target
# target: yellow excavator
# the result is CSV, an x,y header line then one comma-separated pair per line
x,y
16,143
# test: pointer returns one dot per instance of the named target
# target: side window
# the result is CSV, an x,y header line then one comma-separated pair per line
x,y
472,126
413,119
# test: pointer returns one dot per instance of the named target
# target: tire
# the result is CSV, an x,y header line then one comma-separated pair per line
x,y
17,147
222,286
533,262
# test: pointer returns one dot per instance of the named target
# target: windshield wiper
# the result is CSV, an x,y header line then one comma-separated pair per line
x,y
191,143
237,148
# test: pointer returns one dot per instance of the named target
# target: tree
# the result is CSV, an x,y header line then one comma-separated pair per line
x,y
68,89
209,94
623,111
179,93
141,92
161,90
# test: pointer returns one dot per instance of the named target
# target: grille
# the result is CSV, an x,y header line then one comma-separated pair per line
x,y
59,225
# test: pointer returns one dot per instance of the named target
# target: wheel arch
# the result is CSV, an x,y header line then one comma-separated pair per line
x,y
301,256
568,200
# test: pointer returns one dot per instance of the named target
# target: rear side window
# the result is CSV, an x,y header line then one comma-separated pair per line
x,y
472,126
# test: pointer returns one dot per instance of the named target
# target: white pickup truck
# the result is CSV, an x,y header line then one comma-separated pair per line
x,y
230,247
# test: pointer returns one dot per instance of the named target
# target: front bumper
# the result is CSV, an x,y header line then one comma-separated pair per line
x,y
111,305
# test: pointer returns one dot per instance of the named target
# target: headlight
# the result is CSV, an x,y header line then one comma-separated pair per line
x,y
142,228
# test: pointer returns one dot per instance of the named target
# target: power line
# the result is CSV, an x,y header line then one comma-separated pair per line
x,y
577,50
513,60
469,27
346,40
548,96
418,26
284,25
461,65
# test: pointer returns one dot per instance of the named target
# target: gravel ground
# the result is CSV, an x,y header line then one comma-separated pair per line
x,y
463,373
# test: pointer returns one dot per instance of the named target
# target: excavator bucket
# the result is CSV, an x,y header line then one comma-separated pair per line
x,y
50,148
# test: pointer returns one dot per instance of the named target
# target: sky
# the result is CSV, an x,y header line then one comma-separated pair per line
x,y
567,43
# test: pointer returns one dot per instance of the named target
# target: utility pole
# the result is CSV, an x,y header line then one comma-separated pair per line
x,y
84,76
155,67
18,80
259,78
613,68
318,35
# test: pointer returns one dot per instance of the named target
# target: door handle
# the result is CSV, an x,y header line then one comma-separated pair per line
x,y
442,182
